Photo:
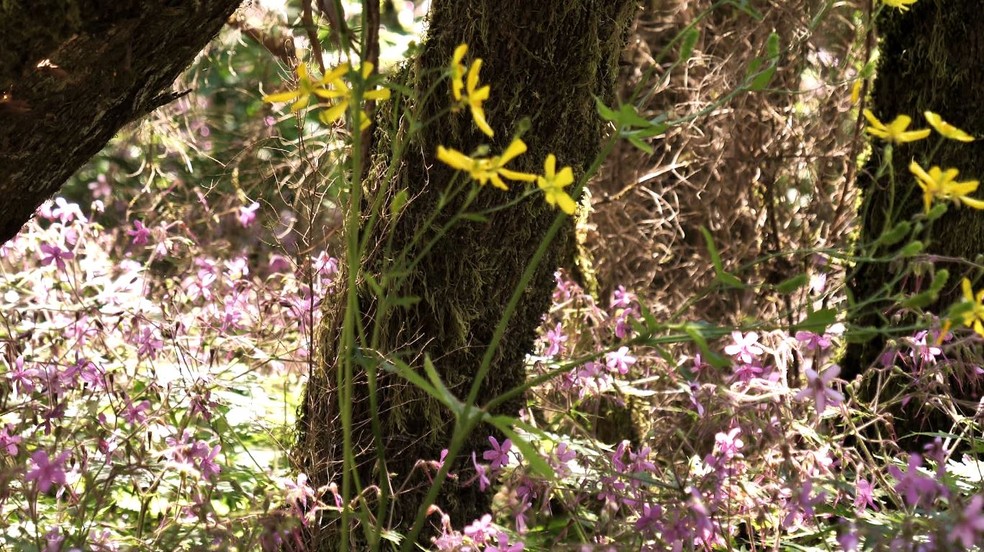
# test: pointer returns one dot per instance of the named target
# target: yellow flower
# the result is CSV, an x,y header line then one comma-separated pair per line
x,y
306,88
856,91
975,316
939,184
343,94
487,169
476,97
894,131
946,129
552,183
458,71
900,4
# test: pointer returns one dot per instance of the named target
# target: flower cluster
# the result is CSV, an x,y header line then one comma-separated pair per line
x,y
492,169
332,88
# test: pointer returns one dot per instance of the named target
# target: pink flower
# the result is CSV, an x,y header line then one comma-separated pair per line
x,y
139,233
728,444
45,471
100,188
619,361
498,455
817,387
8,441
248,214
913,485
746,371
562,456
299,492
622,299
504,546
480,530
207,464
923,352
66,212
970,524
813,341
326,265
555,340
55,254
745,347
650,518
24,380
481,475
136,414
864,498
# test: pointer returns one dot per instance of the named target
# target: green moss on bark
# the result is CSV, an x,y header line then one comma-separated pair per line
x,y
545,62
930,60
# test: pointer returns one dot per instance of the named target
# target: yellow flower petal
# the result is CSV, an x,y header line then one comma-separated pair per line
x,y
972,203
902,5
497,182
516,175
516,147
968,292
459,53
454,158
946,129
472,81
565,202
381,94
333,113
565,177
478,114
281,97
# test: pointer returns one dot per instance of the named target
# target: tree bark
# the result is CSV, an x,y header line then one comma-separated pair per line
x,y
73,72
546,61
930,60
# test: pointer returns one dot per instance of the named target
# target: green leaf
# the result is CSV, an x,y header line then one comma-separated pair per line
x,y
406,372
790,285
761,77
531,455
762,80
377,290
399,201
690,37
911,249
606,113
896,234
920,300
722,276
639,144
447,397
772,46
744,6
628,116
655,129
696,331
860,334
937,211
817,321
404,302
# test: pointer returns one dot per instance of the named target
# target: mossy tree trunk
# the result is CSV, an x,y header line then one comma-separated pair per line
x,y
73,72
545,61
930,60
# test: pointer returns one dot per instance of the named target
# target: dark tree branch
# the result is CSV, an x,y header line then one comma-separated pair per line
x,y
74,72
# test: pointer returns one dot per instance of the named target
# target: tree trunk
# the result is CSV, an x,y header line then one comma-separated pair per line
x,y
930,60
544,60
73,72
